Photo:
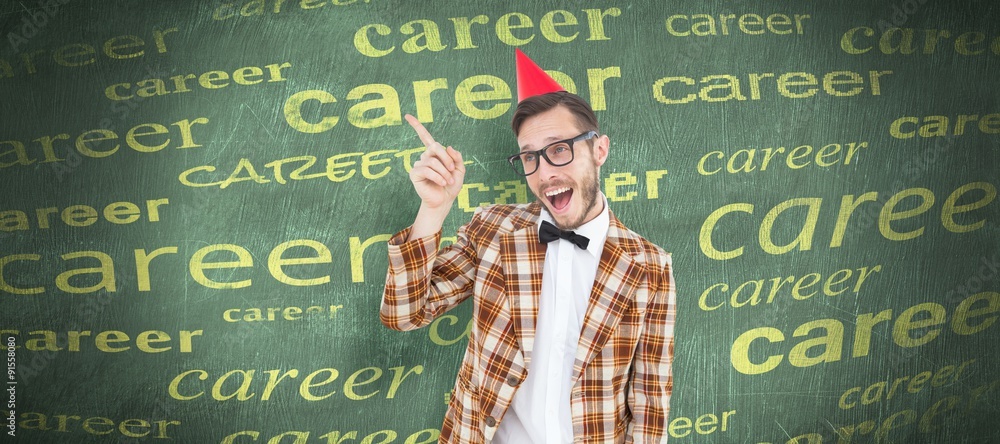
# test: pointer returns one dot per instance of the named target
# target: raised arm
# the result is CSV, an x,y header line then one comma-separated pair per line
x,y
422,282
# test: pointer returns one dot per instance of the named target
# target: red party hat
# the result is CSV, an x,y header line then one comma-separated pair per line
x,y
531,80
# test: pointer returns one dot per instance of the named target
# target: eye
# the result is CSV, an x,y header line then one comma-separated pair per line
x,y
528,157
560,148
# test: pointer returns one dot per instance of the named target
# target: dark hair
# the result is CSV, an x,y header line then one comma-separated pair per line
x,y
538,104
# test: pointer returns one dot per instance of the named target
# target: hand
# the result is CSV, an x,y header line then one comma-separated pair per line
x,y
437,176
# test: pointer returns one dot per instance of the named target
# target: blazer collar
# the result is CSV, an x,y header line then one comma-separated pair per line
x,y
619,274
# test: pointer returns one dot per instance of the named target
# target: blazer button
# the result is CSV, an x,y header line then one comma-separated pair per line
x,y
513,381
490,422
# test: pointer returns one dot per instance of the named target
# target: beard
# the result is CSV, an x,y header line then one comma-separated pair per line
x,y
588,189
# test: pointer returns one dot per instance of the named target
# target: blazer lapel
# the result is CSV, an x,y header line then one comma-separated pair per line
x,y
523,258
618,276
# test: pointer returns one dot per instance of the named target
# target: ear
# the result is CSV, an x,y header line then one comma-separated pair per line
x,y
601,147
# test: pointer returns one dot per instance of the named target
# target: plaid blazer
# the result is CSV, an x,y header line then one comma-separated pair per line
x,y
622,374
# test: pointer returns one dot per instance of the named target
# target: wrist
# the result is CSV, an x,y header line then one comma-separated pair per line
x,y
429,220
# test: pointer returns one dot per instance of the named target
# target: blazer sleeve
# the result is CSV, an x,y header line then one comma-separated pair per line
x,y
422,282
651,373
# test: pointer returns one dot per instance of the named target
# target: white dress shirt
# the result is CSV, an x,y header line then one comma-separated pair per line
x,y
540,411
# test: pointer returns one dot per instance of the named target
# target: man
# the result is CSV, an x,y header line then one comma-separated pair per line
x,y
572,338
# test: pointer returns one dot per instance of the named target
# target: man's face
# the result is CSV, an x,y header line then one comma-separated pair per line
x,y
569,192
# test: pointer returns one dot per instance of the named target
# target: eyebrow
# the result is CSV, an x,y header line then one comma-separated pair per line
x,y
548,141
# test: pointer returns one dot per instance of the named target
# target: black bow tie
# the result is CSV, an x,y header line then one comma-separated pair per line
x,y
548,233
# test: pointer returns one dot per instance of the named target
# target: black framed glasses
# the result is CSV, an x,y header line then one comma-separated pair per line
x,y
557,154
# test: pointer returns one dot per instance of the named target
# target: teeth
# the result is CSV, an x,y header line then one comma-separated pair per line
x,y
551,193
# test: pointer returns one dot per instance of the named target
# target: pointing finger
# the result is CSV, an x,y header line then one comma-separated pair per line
x,y
425,136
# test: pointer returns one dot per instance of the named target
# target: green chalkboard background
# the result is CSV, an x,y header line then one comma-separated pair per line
x,y
45,99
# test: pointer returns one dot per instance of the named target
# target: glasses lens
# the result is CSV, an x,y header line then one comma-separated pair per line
x,y
525,164
560,153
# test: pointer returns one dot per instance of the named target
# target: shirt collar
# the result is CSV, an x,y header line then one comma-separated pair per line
x,y
596,230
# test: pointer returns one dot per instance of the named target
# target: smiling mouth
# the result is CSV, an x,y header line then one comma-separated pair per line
x,y
559,198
